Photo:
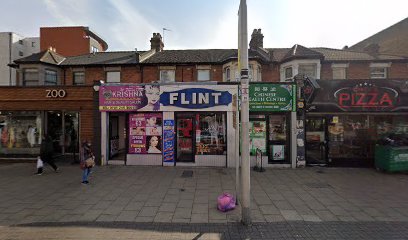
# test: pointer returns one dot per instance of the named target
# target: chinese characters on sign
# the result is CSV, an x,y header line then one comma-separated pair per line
x,y
272,97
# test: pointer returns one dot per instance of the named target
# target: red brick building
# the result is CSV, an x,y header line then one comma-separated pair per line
x,y
70,80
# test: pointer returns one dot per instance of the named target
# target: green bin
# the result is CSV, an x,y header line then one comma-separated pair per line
x,y
391,159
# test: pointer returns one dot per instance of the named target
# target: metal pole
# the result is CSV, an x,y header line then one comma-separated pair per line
x,y
243,64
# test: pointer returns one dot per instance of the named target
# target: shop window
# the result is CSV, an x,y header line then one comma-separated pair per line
x,y
79,78
167,76
30,77
211,134
278,139
20,133
203,75
145,133
50,77
113,77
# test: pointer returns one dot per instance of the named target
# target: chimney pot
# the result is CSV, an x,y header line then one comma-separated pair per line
x,y
256,39
156,42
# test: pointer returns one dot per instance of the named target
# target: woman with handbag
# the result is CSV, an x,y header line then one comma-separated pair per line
x,y
87,161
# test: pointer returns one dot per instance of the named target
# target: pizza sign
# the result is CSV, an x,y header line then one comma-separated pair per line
x,y
366,96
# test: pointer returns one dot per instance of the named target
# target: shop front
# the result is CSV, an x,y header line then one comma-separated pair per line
x,y
272,116
27,114
347,118
171,125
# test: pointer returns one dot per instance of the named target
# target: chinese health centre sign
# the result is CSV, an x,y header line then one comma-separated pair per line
x,y
272,97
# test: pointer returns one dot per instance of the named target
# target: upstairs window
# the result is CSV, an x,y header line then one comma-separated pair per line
x,y
203,75
378,72
167,76
113,77
30,77
79,78
94,49
288,73
50,77
227,74
308,70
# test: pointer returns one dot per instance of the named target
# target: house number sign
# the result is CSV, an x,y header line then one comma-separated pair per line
x,y
55,93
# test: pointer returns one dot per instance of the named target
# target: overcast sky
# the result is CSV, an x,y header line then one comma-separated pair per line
x,y
203,24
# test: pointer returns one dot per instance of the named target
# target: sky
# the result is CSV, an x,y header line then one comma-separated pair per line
x,y
207,24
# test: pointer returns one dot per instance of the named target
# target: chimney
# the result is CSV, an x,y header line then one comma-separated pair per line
x,y
156,42
256,39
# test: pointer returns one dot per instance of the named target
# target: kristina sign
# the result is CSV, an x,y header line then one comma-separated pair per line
x,y
361,96
199,98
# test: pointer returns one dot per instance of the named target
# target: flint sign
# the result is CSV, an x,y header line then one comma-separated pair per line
x,y
197,98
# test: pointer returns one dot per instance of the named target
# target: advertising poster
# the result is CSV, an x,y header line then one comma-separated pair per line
x,y
257,136
168,141
278,152
114,98
145,131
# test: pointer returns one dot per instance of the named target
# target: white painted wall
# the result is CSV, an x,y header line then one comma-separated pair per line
x,y
10,50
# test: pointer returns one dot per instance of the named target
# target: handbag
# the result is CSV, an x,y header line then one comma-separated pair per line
x,y
90,162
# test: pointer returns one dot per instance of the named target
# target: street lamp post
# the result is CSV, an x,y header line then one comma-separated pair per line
x,y
243,66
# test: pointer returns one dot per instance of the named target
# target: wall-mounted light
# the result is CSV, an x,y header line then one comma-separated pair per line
x,y
97,84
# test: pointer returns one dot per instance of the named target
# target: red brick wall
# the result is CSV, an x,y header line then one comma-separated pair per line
x,y
68,41
270,73
358,71
216,73
398,70
326,71
150,74
131,74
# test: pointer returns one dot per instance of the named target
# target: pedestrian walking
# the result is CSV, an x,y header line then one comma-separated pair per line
x,y
40,166
87,161
47,152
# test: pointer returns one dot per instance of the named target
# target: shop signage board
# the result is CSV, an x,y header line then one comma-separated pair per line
x,y
145,133
168,141
361,96
197,98
272,97
122,98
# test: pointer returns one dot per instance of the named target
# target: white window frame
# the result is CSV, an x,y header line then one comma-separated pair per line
x,y
340,68
203,75
314,66
227,71
113,76
379,70
167,75
295,64
287,77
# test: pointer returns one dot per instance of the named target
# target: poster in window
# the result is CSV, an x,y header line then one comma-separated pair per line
x,y
278,152
145,131
257,136
168,141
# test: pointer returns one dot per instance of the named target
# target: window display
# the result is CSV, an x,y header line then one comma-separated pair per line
x,y
257,136
211,134
20,133
145,133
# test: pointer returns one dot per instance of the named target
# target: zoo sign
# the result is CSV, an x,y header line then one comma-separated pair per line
x,y
55,93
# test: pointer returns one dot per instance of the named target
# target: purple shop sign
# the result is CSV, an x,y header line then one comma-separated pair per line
x,y
129,98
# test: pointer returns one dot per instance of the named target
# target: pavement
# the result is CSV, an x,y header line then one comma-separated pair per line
x,y
139,202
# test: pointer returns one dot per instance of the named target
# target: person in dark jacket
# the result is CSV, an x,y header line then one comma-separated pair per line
x,y
47,152
85,153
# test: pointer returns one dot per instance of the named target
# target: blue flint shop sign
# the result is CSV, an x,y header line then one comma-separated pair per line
x,y
196,98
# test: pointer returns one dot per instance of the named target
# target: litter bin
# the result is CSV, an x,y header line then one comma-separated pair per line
x,y
391,158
